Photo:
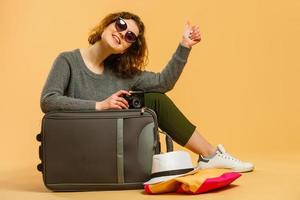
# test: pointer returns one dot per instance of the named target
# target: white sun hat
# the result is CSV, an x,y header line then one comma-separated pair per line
x,y
170,165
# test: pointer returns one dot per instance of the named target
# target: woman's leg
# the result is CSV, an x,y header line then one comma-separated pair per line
x,y
198,144
175,124
182,131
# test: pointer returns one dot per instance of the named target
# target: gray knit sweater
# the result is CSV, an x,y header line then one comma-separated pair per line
x,y
72,86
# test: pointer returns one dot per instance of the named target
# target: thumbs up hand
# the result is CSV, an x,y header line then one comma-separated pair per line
x,y
191,35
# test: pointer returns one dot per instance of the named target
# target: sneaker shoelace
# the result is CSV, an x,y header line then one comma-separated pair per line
x,y
229,157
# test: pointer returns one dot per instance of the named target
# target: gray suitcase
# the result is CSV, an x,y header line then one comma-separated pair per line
x,y
98,150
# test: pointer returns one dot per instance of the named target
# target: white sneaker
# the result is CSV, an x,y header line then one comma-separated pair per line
x,y
222,159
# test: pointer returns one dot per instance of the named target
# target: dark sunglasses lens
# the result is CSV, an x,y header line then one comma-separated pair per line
x,y
121,25
130,37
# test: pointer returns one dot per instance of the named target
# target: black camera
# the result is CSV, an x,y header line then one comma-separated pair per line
x,y
135,100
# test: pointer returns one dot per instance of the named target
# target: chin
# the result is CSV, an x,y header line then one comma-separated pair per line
x,y
114,47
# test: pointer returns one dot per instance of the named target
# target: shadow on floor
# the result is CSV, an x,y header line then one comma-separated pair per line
x,y
30,180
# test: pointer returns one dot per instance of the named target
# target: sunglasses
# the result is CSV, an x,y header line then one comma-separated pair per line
x,y
121,25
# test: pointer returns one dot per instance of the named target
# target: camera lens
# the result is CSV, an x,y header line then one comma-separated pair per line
x,y
136,102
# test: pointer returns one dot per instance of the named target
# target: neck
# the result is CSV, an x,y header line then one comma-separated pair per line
x,y
98,52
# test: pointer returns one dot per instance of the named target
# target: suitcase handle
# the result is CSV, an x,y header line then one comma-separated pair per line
x,y
169,141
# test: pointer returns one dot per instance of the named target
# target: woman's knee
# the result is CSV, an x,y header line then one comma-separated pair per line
x,y
161,97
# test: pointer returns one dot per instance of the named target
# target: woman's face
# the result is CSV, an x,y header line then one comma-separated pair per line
x,y
116,40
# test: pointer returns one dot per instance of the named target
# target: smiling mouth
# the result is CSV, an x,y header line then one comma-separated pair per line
x,y
117,39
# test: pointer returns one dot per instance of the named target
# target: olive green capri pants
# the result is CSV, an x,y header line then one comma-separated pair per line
x,y
170,118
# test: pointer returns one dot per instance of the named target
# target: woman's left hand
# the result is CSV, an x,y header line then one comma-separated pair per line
x,y
191,35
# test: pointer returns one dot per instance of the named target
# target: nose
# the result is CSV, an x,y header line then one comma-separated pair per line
x,y
122,34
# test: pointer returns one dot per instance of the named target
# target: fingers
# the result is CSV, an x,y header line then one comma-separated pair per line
x,y
195,33
119,104
195,37
121,99
195,30
121,92
117,101
192,32
189,27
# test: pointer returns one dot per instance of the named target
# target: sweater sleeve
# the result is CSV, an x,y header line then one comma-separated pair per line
x,y
166,79
53,94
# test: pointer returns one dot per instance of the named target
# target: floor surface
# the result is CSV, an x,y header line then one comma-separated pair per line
x,y
277,176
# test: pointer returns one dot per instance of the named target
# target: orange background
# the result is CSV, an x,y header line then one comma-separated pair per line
x,y
240,87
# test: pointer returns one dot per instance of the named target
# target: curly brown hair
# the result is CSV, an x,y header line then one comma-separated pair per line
x,y
134,59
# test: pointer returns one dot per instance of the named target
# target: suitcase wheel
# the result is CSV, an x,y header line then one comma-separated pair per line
x,y
40,167
39,137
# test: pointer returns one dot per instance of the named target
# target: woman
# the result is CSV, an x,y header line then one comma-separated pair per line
x,y
98,76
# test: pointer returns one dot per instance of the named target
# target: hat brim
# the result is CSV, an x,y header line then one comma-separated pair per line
x,y
167,178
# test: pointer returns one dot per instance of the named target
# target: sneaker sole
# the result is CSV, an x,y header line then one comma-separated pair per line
x,y
234,170
244,170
